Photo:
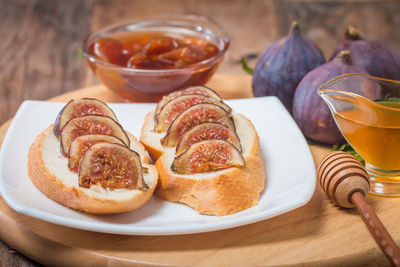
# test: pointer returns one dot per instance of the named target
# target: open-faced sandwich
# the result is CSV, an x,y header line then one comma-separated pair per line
x,y
207,156
88,162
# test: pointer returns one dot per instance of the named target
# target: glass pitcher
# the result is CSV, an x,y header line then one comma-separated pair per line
x,y
367,111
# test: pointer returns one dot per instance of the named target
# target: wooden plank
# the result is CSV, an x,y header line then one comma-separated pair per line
x,y
40,40
10,257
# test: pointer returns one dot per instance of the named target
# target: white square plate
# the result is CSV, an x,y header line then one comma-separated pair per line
x,y
288,162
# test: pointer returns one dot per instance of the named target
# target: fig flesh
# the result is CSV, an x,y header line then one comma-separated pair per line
x,y
375,57
196,114
79,107
81,143
176,106
282,66
207,131
309,109
90,124
111,166
198,90
207,156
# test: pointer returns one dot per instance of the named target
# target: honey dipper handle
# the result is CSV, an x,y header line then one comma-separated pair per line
x,y
377,229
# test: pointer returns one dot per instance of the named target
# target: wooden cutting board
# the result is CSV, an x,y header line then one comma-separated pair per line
x,y
317,233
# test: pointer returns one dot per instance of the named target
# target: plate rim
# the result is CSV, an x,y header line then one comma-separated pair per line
x,y
301,200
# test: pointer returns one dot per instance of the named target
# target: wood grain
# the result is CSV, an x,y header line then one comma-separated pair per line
x,y
40,38
377,229
10,257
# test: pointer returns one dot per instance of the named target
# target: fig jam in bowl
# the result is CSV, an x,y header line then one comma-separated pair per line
x,y
144,60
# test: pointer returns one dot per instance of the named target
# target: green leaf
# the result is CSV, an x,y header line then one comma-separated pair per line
x,y
246,67
79,54
390,102
349,149
345,147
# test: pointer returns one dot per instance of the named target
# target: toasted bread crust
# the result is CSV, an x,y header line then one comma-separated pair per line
x,y
154,152
74,197
227,192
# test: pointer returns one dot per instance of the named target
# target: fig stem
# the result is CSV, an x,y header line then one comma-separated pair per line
x,y
352,33
345,57
294,28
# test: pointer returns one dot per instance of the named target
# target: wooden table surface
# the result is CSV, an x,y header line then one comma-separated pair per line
x,y
40,40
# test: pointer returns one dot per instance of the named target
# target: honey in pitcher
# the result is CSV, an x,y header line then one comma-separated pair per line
x,y
373,130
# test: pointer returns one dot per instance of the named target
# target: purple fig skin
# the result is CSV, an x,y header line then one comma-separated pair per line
x,y
309,109
375,57
283,65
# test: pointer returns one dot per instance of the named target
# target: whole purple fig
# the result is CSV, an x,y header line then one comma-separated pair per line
x,y
374,56
284,64
309,109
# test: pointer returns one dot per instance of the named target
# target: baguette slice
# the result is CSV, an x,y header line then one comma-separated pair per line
x,y
215,193
48,170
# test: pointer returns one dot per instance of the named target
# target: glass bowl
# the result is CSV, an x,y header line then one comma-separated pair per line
x,y
149,85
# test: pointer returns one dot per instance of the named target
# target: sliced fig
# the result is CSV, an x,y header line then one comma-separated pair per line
x,y
111,166
207,131
199,90
79,107
176,106
196,114
81,143
207,156
90,124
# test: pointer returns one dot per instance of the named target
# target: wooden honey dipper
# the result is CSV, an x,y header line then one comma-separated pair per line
x,y
346,182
